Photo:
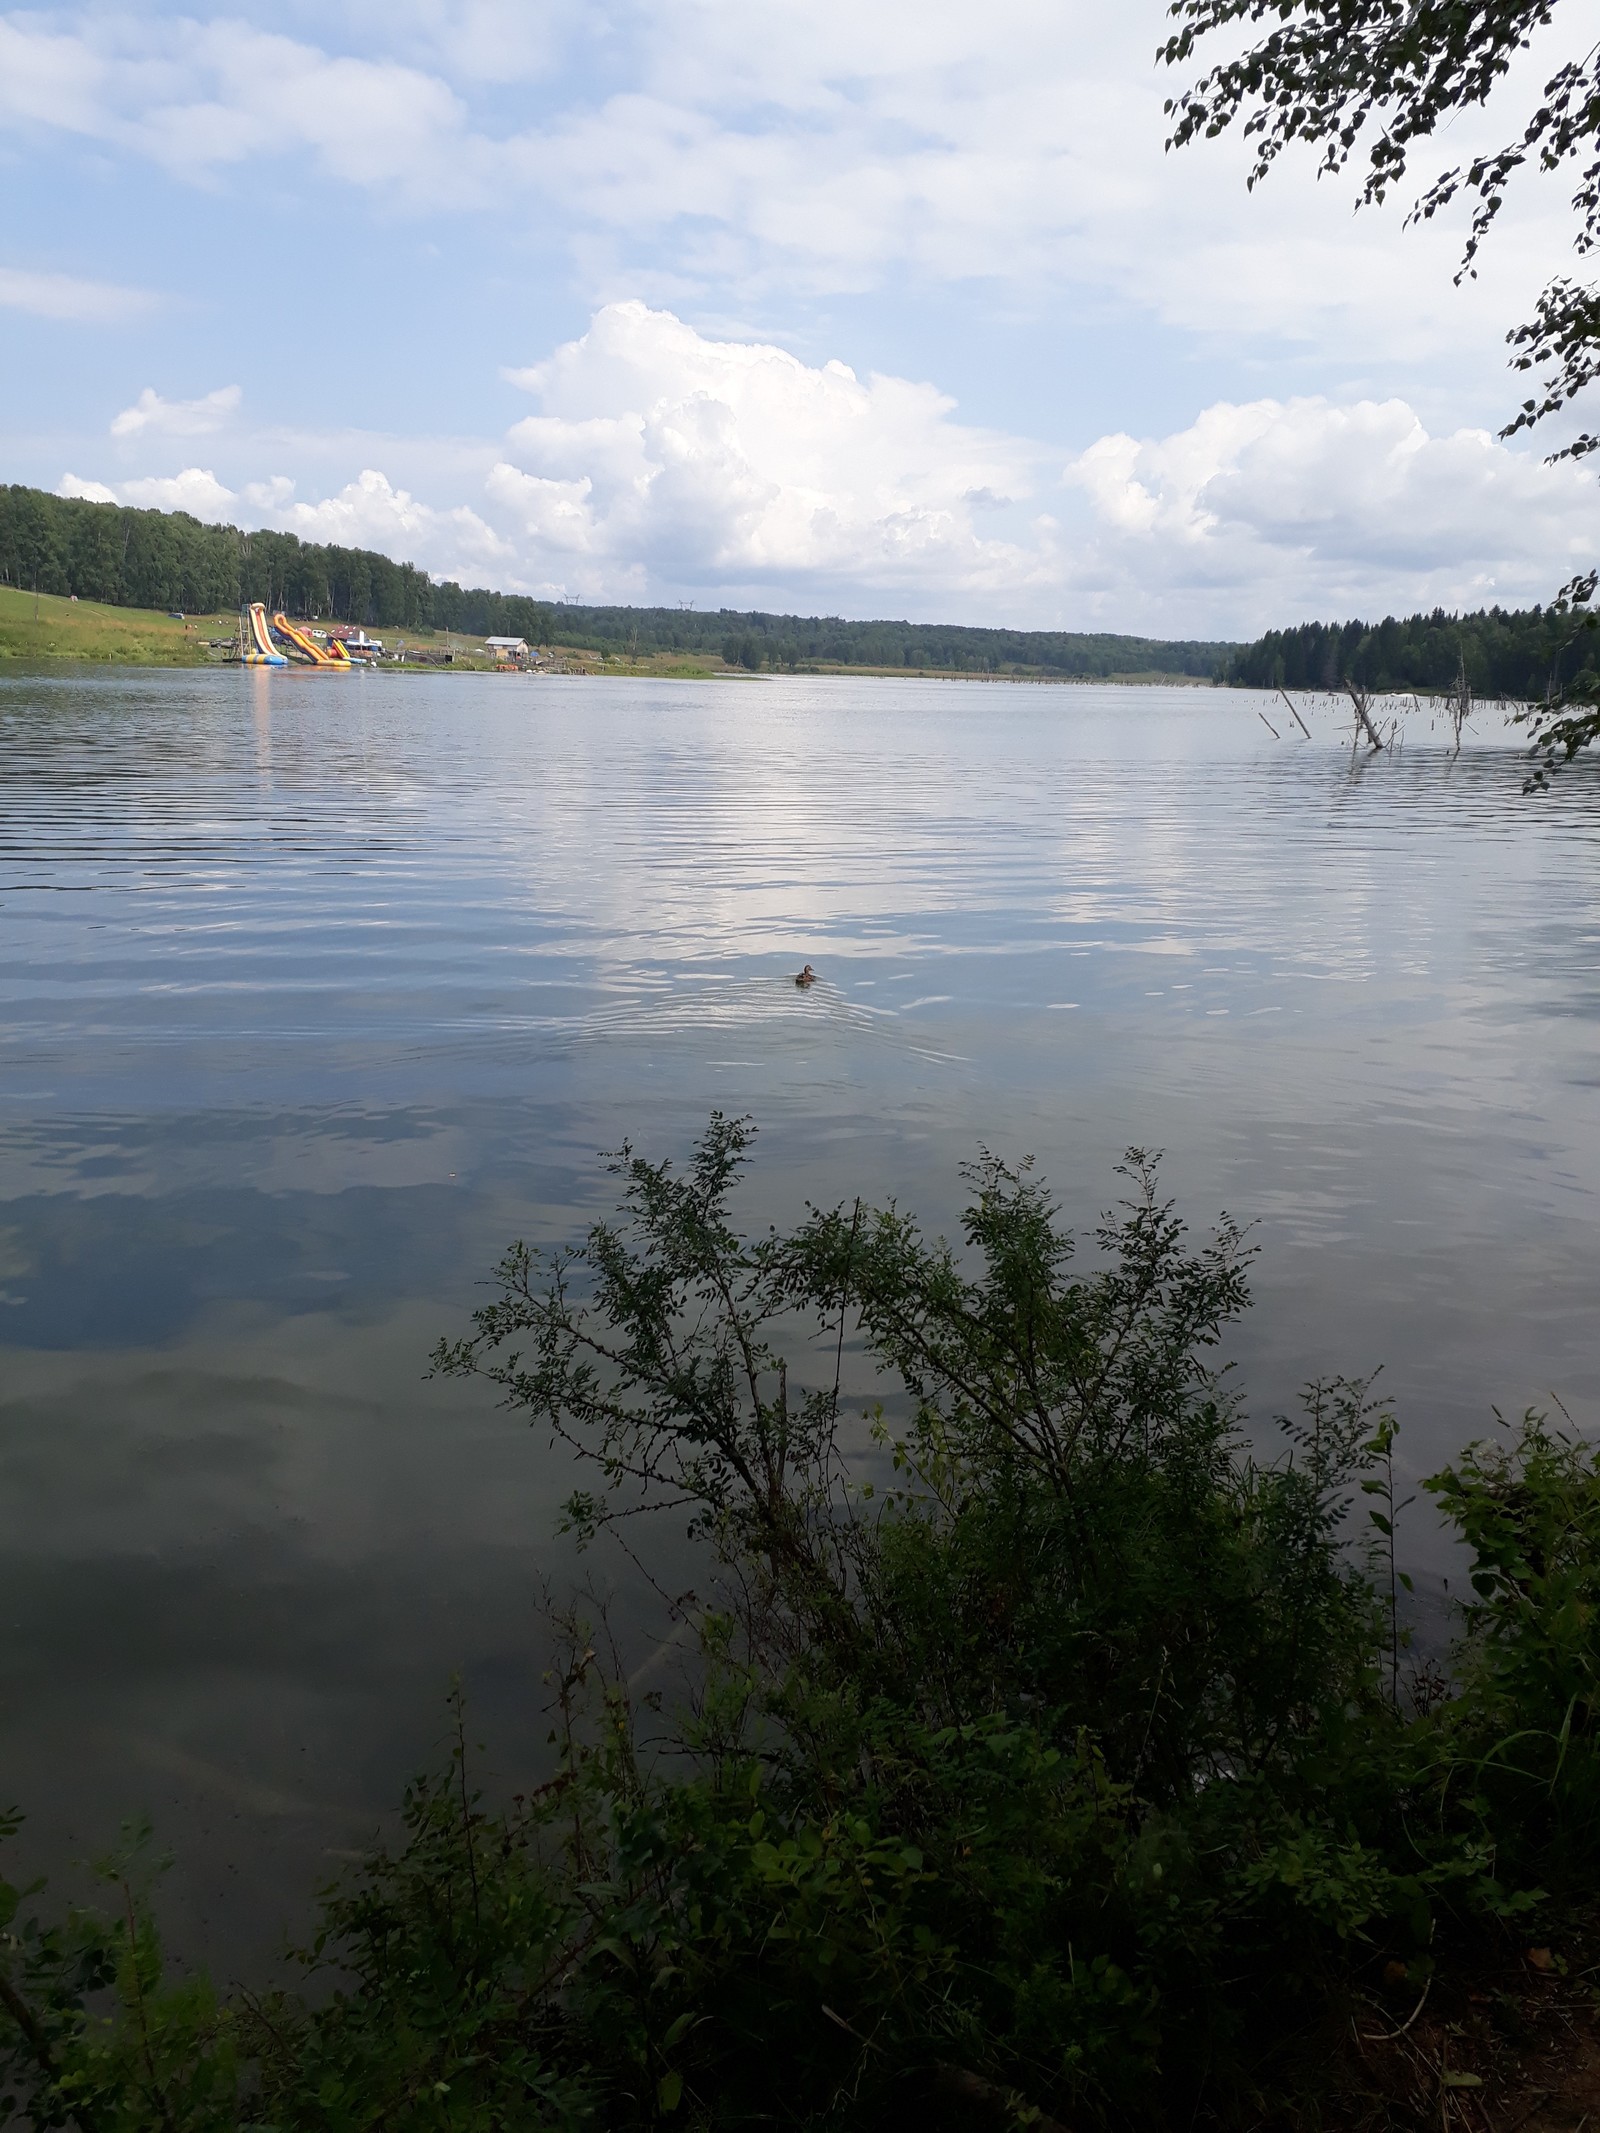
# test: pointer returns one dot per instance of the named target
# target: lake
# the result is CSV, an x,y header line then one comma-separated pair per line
x,y
316,991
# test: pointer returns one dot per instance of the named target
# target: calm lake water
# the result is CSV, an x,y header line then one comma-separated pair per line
x,y
316,991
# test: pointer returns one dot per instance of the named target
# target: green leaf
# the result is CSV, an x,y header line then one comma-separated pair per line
x,y
669,2091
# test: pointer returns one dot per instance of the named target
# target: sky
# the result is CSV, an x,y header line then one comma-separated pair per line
x,y
861,307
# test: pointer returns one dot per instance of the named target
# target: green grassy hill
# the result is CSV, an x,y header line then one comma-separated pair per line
x,y
48,626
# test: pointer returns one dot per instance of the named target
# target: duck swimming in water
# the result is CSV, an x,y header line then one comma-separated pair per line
x,y
806,977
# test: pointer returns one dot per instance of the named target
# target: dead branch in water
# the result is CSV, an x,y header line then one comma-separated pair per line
x,y
1294,714
1366,728
1458,704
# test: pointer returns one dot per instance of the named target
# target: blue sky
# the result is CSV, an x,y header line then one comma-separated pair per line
x,y
870,308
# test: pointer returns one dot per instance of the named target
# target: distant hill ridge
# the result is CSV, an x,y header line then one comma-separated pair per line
x,y
168,559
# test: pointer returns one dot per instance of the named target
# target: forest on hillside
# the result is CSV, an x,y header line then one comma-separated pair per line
x,y
1518,655
167,559
758,640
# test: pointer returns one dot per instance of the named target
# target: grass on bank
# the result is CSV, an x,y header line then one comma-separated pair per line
x,y
44,626
1053,1757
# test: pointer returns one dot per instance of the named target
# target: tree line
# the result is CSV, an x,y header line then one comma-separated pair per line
x,y
1518,655
169,559
756,640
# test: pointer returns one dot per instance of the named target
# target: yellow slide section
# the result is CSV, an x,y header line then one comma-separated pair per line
x,y
305,650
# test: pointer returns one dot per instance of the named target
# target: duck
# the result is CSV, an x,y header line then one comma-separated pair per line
x,y
805,977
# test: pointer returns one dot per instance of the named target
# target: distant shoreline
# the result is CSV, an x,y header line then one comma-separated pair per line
x,y
52,629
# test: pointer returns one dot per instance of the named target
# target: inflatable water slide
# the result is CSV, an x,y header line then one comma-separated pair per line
x,y
256,648
279,644
304,650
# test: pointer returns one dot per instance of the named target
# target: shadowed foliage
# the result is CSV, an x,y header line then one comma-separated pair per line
x,y
1048,1755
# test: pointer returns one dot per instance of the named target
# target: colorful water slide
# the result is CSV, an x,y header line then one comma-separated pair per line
x,y
257,647
304,650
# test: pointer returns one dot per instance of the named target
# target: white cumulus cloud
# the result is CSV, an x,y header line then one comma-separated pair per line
x,y
1272,510
271,494
151,415
663,456
196,490
371,512
92,492
666,461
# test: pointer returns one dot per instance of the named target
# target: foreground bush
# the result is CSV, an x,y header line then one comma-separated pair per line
x,y
1051,1756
